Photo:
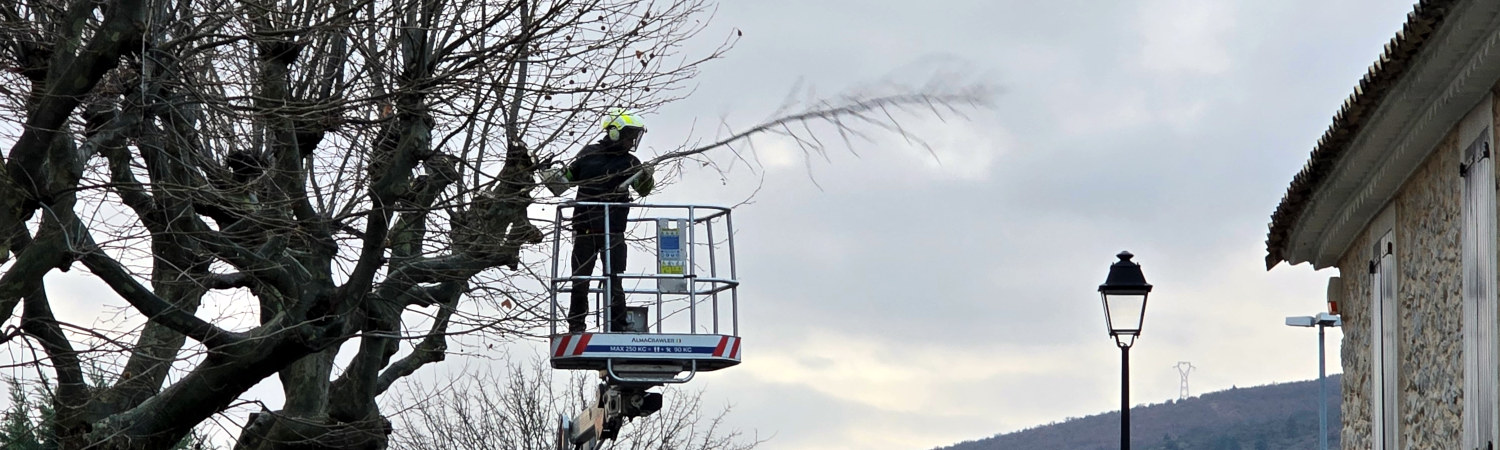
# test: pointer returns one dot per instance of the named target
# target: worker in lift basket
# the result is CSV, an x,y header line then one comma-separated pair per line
x,y
604,171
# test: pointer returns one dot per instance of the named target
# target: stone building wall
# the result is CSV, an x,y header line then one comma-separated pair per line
x,y
1429,320
1355,347
1430,302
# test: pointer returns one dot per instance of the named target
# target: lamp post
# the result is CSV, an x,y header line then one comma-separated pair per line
x,y
1322,320
1124,295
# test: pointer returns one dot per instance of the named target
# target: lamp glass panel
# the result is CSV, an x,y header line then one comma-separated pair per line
x,y
1126,311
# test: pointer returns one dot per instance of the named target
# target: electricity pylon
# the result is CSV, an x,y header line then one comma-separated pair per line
x,y
1183,368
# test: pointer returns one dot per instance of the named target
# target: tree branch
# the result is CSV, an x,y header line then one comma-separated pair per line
x,y
69,77
154,308
433,348
228,281
25,276
832,112
72,395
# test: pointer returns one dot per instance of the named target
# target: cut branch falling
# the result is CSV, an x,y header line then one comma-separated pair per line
x,y
839,114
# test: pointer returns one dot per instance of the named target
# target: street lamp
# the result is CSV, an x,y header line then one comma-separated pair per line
x,y
1322,320
1124,295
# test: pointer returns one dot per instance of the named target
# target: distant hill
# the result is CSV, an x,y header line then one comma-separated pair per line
x,y
1277,416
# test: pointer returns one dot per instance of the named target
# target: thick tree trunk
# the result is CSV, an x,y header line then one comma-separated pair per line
x,y
224,374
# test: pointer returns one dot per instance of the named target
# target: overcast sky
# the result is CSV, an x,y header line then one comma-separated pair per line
x,y
899,301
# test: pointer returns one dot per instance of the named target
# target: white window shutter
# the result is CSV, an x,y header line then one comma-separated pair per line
x,y
1384,412
1481,347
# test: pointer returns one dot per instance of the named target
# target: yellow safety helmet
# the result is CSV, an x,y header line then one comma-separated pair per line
x,y
617,119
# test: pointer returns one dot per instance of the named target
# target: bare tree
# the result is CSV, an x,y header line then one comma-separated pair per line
x,y
337,171
520,410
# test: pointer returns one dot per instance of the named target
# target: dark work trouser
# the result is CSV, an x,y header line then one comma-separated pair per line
x,y
589,247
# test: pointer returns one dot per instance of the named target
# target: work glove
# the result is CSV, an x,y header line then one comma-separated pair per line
x,y
645,181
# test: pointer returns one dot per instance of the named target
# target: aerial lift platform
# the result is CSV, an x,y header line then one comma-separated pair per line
x,y
682,313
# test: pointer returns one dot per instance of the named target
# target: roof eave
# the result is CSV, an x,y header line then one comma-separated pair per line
x,y
1429,76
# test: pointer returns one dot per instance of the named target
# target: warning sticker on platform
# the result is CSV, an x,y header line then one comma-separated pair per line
x,y
669,257
669,251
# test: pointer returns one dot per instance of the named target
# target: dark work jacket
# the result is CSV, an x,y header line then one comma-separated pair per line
x,y
599,169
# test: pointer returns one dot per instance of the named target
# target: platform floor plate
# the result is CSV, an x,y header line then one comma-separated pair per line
x,y
592,351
